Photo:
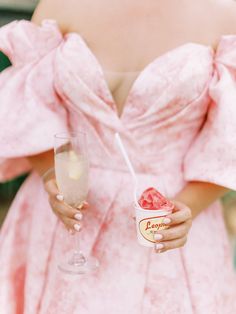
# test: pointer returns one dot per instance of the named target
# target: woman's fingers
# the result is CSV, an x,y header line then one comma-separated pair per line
x,y
51,187
69,215
63,209
71,224
170,245
181,214
175,232
175,236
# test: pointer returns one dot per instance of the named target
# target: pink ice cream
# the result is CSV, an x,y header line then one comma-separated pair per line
x,y
151,199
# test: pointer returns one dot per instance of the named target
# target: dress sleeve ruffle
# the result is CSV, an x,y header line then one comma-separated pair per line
x,y
30,110
212,156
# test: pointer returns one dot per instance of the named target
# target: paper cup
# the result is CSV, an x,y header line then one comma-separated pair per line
x,y
148,222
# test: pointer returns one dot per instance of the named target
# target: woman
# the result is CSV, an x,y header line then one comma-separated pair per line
x,y
162,75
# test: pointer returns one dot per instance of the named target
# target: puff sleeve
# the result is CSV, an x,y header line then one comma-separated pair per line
x,y
212,156
30,109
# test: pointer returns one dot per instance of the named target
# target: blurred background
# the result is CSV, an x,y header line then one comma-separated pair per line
x,y
15,9
22,9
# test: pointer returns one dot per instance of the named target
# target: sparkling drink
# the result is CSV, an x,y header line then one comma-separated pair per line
x,y
72,169
72,176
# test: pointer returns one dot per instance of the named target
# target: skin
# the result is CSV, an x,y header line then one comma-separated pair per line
x,y
141,31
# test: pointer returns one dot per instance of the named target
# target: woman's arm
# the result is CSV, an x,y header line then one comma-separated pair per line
x,y
200,195
42,162
197,196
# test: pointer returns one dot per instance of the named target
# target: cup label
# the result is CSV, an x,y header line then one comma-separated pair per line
x,y
150,226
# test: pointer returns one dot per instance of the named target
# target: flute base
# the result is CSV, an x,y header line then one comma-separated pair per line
x,y
78,264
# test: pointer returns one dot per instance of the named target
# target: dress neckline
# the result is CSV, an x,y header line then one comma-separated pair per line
x,y
140,73
121,72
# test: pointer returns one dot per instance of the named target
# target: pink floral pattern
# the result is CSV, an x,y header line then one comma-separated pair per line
x,y
178,125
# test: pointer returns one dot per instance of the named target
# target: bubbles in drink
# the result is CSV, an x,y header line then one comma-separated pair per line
x,y
72,176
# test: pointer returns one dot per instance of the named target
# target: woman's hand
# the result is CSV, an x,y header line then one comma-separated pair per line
x,y
71,217
175,237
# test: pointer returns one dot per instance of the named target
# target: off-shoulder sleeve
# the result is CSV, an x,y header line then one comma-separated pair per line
x,y
212,156
30,109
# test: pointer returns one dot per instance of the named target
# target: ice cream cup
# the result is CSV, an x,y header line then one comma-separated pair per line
x,y
148,222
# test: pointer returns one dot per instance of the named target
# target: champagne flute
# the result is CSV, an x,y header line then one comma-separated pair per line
x,y
72,171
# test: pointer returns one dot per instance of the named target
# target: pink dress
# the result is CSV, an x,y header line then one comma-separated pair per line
x,y
178,125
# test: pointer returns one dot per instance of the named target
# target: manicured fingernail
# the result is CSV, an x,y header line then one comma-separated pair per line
x,y
60,197
158,236
78,216
77,227
166,221
159,246
85,203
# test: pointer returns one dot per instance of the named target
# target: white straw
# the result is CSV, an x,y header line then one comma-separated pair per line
x,y
125,155
128,163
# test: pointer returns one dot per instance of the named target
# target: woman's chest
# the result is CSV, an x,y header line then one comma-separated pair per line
x,y
125,39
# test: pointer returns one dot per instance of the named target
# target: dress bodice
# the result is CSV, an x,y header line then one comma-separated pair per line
x,y
177,115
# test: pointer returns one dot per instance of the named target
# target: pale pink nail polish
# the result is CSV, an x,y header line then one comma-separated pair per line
x,y
78,216
166,221
60,197
77,227
158,237
159,246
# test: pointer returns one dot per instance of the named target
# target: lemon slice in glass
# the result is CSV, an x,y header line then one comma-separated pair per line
x,y
75,166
